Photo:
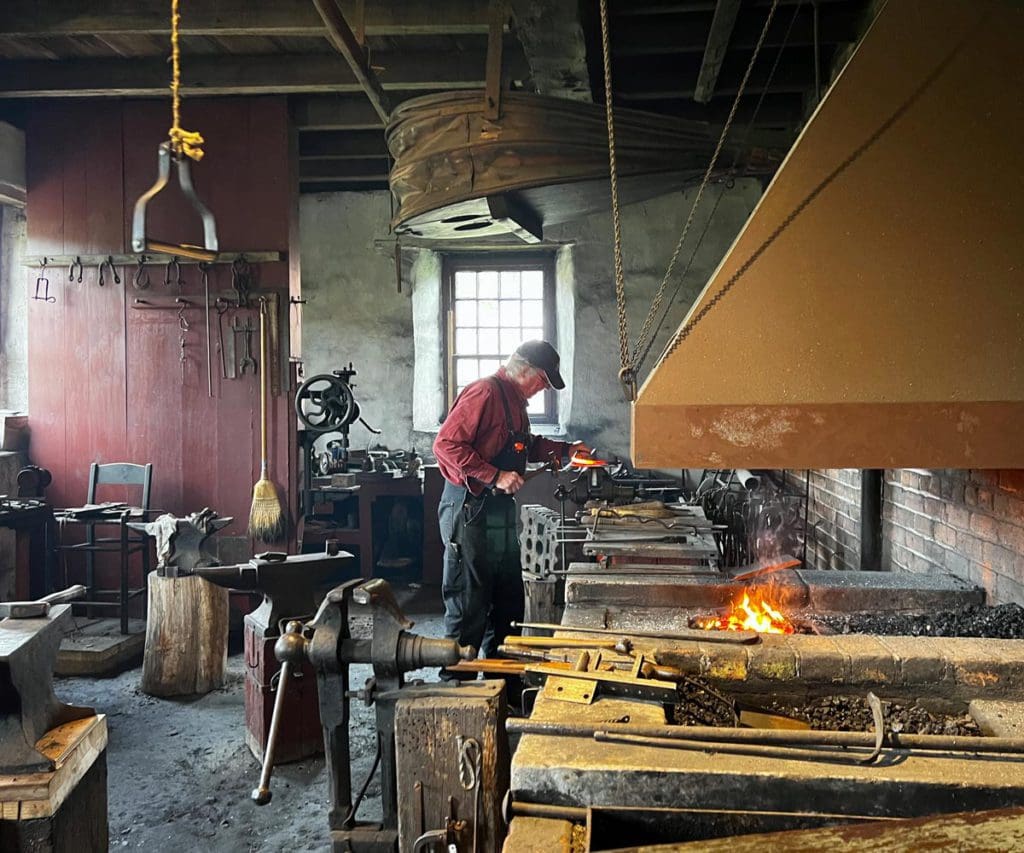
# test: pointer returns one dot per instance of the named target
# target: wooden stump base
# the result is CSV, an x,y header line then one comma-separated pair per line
x,y
186,637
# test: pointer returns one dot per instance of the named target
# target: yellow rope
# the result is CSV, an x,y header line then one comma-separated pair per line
x,y
183,141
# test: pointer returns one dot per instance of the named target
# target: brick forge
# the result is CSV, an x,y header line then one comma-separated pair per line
x,y
780,789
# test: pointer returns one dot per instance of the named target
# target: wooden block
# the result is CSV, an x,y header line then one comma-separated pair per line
x,y
427,725
186,637
73,748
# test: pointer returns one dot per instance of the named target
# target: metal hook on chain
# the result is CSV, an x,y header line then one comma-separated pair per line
x,y
141,278
183,327
43,280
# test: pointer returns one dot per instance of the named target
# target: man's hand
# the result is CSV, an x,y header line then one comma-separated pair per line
x,y
509,482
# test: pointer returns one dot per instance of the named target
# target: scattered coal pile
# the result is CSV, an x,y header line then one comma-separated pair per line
x,y
852,714
700,704
1005,621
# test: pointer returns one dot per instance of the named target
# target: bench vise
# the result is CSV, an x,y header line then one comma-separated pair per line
x,y
392,650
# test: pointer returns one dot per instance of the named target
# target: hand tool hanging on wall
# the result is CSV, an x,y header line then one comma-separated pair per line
x,y
246,331
75,264
222,306
241,280
172,274
109,264
204,269
181,146
45,282
266,521
140,281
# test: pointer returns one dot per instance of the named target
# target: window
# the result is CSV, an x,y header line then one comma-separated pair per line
x,y
491,305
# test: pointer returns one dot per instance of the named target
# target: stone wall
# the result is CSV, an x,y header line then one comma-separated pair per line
x,y
833,518
13,326
355,313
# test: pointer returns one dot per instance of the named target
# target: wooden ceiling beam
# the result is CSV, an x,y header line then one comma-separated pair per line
x,y
262,74
340,35
714,52
35,19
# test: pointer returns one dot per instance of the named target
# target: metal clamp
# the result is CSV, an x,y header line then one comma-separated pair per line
x,y
142,243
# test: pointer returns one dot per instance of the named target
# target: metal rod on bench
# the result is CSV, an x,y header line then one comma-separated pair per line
x,y
768,737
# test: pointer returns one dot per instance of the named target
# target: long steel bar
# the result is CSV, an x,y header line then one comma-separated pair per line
x,y
740,637
765,737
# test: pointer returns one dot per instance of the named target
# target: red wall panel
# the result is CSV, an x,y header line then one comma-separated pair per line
x,y
105,377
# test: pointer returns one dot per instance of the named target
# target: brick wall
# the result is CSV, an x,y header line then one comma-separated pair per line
x,y
970,523
833,517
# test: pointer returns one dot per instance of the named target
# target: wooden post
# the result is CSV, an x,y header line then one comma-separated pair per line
x,y
186,636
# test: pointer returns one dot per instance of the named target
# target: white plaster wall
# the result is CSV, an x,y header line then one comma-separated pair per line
x,y
354,312
13,311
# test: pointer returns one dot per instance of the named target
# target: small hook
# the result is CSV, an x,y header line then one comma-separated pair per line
x,y
141,278
77,262
173,266
109,263
182,319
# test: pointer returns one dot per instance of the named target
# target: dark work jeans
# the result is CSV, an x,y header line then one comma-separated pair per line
x,y
482,586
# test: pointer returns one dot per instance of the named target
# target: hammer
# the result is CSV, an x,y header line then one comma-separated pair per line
x,y
40,607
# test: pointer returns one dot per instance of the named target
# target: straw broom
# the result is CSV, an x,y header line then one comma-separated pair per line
x,y
266,521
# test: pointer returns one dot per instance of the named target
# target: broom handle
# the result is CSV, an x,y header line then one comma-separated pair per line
x,y
263,385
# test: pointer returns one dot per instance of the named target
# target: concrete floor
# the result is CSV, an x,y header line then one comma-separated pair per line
x,y
179,773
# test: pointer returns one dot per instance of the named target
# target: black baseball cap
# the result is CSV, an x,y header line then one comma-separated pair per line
x,y
542,355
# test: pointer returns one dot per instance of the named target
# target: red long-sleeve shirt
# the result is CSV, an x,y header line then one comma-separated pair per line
x,y
475,431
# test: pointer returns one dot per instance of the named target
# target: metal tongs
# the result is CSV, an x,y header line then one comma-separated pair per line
x,y
141,243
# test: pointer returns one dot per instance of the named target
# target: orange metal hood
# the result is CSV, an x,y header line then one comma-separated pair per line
x,y
876,317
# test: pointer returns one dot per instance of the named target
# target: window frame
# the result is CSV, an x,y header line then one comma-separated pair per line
x,y
453,262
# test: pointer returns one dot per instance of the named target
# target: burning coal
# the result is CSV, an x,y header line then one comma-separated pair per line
x,y
749,615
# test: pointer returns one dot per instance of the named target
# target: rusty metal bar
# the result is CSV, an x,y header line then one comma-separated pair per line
x,y
764,737
741,637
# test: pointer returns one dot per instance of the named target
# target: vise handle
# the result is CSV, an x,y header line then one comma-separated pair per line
x,y
40,607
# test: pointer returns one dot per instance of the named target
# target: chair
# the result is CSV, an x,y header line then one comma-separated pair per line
x,y
126,543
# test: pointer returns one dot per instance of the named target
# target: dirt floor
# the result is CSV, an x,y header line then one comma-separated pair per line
x,y
179,772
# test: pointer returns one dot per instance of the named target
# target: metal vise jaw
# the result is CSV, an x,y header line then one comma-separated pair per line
x,y
28,706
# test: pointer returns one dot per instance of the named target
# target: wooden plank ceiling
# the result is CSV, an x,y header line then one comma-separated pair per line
x,y
676,58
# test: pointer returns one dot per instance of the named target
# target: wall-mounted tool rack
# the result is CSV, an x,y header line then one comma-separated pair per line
x,y
38,261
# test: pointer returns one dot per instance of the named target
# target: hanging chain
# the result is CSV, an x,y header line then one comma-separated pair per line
x,y
629,364
183,141
627,379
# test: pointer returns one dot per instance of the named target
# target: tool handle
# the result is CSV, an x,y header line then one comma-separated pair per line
x,y
262,795
290,649
64,595
263,384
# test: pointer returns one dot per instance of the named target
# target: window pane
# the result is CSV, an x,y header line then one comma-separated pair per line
x,y
533,334
465,313
465,285
489,365
489,342
533,313
487,281
466,370
535,405
465,342
510,284
509,314
510,339
533,284
488,313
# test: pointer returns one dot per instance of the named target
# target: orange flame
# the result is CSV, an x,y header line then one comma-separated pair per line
x,y
749,615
